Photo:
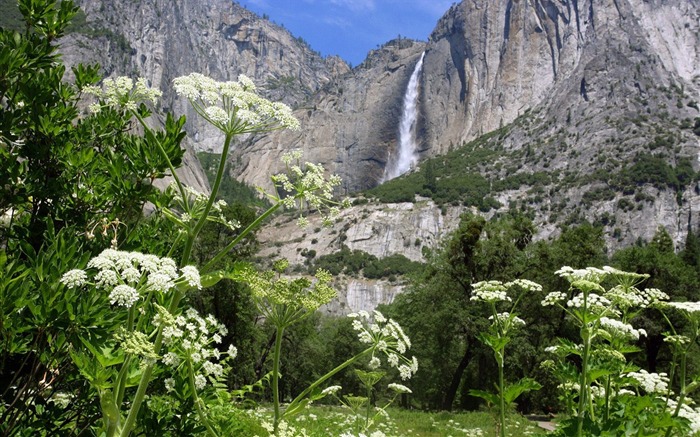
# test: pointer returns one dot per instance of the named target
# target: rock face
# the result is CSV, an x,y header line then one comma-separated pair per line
x,y
486,63
378,229
161,40
582,86
349,126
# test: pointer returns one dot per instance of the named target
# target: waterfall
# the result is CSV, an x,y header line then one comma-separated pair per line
x,y
406,155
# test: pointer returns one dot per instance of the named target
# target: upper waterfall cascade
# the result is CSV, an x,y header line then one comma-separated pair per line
x,y
406,156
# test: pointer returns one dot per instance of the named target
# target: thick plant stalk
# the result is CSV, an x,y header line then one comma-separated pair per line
x,y
276,375
198,402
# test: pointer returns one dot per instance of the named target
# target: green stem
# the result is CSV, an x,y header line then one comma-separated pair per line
x,y
121,380
294,406
501,394
681,394
198,402
583,381
276,375
207,267
214,191
369,406
606,413
147,373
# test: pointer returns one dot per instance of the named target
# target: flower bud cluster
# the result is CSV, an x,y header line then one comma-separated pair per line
x,y
300,293
387,337
192,207
307,187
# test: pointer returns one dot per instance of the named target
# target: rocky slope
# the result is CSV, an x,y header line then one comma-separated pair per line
x,y
582,87
160,40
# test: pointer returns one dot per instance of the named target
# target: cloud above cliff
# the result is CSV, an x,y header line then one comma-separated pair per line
x,y
351,28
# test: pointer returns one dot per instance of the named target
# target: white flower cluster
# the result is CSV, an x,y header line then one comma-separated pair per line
x,y
553,298
508,321
398,388
234,107
651,382
190,337
688,307
631,297
306,186
591,274
127,274
692,415
620,329
121,93
331,390
388,337
525,284
593,301
489,291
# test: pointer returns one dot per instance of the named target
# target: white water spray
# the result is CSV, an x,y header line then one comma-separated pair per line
x,y
406,157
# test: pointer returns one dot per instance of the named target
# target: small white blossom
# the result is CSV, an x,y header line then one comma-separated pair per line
x,y
399,388
123,295
191,276
331,390
169,384
651,382
200,381
74,278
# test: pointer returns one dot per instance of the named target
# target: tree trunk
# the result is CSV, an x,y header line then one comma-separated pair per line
x,y
451,392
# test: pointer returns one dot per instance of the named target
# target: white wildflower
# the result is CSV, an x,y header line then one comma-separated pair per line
x,y
190,274
74,278
200,381
331,390
399,388
124,295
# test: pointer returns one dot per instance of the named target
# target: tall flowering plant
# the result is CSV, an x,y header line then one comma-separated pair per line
x,y
504,324
606,394
161,335
386,345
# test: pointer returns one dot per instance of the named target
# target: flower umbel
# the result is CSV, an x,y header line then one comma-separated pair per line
x,y
234,107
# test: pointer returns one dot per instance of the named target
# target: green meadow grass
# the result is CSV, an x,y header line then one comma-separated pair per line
x,y
325,421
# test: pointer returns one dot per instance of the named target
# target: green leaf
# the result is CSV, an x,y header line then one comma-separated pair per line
x,y
234,274
107,353
491,398
511,393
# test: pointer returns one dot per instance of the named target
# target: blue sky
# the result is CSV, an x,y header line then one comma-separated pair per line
x,y
351,28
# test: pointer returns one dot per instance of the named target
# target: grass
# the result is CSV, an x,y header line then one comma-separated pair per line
x,y
324,421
